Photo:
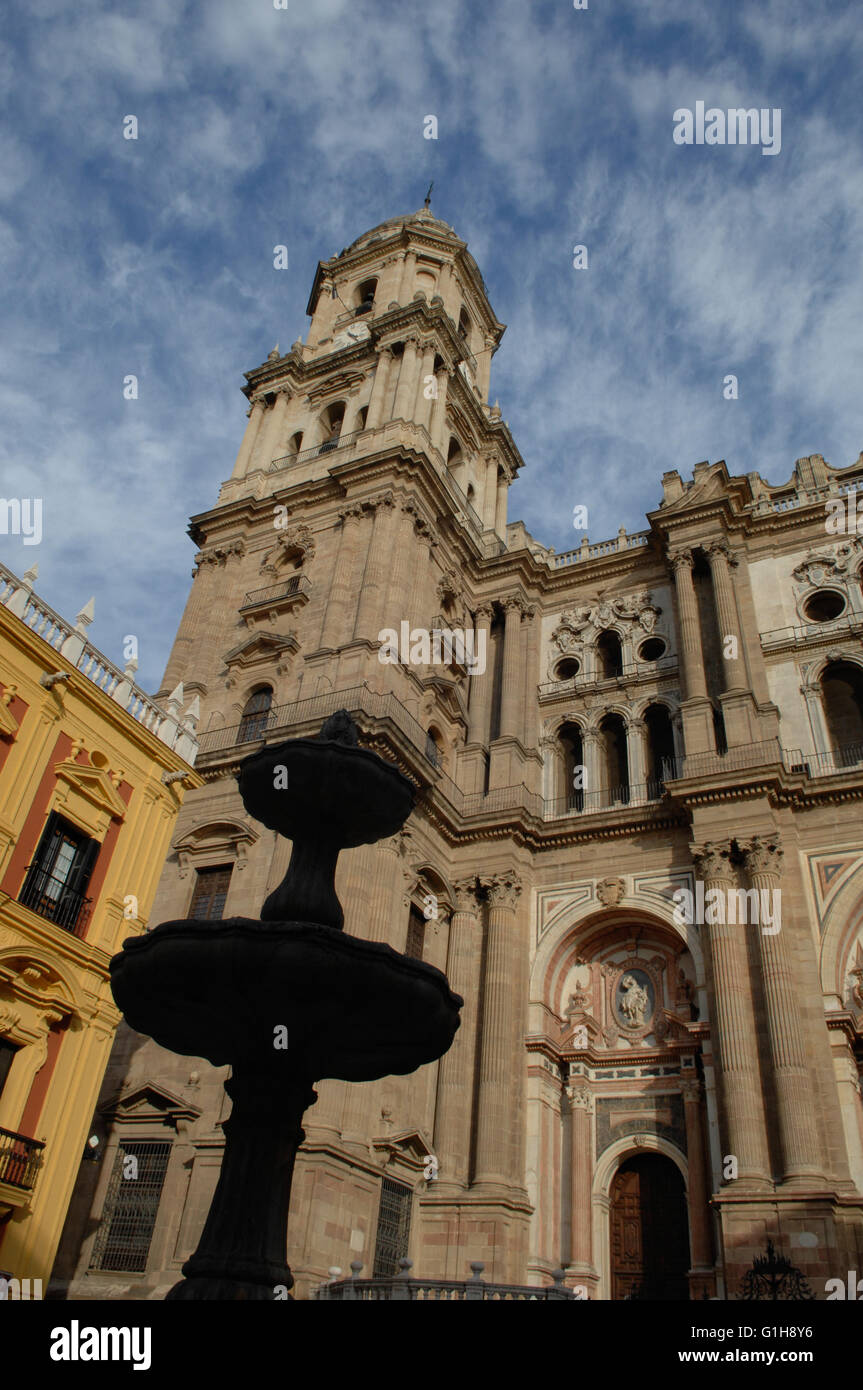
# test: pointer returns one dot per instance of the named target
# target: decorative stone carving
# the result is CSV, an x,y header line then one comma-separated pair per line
x,y
634,1001
219,554
464,893
296,540
691,1091
763,856
610,891
712,859
503,890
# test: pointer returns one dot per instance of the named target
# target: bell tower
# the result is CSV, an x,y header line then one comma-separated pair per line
x,y
401,333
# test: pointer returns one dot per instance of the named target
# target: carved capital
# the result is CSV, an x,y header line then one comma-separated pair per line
x,y
483,612
464,894
512,603
502,890
580,1098
692,1091
711,859
717,549
681,559
763,855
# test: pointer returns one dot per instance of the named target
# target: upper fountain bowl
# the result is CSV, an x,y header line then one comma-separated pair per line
x,y
326,788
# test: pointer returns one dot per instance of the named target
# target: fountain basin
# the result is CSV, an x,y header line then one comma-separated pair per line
x,y
354,1010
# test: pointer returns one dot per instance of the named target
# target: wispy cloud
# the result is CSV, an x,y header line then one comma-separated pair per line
x,y
256,126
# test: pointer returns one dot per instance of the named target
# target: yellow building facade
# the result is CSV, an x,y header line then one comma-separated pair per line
x,y
92,775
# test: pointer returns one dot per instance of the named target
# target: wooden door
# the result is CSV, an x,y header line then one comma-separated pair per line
x,y
649,1230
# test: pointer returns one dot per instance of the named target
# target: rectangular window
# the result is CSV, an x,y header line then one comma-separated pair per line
x,y
131,1206
416,934
394,1228
7,1053
56,881
211,891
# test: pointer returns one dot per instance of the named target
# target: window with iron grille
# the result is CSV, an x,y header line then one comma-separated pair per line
x,y
394,1228
211,890
57,879
256,715
129,1213
416,934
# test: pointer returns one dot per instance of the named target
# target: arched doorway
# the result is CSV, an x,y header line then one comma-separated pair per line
x,y
649,1230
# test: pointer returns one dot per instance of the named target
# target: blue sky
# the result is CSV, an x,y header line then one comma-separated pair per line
x,y
305,127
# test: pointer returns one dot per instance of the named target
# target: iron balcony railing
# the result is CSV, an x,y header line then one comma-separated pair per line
x,y
258,598
845,624
402,1286
20,1159
326,447
50,897
627,671
842,759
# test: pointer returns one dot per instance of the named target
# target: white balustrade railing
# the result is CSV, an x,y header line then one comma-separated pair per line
x,y
174,728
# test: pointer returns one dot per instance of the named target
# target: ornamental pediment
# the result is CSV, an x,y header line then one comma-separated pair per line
x,y
94,784
144,1103
261,649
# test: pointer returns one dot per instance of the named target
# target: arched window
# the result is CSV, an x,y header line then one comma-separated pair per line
x,y
842,695
609,655
295,444
365,297
660,748
464,325
571,795
256,714
434,746
613,760
362,416
331,425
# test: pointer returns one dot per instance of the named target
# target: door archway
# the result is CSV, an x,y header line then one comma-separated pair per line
x,y
649,1230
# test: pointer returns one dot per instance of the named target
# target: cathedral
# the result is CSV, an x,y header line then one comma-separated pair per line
x,y
635,850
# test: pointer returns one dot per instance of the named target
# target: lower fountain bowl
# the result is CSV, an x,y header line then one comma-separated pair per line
x,y
294,996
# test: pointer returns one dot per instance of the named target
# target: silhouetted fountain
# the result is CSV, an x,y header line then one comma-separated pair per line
x,y
352,1009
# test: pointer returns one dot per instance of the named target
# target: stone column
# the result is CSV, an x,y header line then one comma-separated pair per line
x,y
510,710
593,770
497,1095
439,422
690,627
479,705
489,494
334,629
529,727
378,562
455,1075
733,1025
423,403
801,1159
250,438
406,389
733,668
275,427
500,506
701,1253
379,388
406,280
395,593
636,731
581,1108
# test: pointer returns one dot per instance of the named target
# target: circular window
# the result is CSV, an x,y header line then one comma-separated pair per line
x,y
652,649
566,669
99,760
824,606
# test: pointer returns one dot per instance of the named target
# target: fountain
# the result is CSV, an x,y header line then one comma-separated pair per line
x,y
287,1000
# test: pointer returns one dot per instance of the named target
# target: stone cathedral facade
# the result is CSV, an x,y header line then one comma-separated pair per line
x,y
637,850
